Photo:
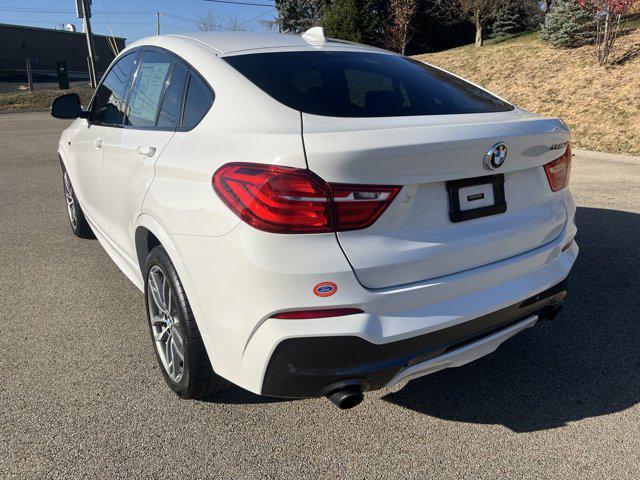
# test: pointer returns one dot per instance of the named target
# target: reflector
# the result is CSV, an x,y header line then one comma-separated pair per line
x,y
306,314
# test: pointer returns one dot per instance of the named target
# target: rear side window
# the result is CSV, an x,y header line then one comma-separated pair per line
x,y
148,88
358,84
170,111
109,101
197,102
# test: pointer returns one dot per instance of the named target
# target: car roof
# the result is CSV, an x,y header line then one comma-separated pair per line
x,y
229,43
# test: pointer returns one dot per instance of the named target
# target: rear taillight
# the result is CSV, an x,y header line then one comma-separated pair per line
x,y
275,199
559,171
359,206
291,200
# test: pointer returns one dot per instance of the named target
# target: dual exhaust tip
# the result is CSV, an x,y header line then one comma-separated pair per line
x,y
347,397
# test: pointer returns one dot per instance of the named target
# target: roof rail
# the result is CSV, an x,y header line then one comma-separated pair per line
x,y
314,36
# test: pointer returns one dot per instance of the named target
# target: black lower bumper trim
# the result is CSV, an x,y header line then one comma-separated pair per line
x,y
309,366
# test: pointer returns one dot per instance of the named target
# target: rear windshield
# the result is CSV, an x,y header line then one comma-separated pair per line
x,y
356,84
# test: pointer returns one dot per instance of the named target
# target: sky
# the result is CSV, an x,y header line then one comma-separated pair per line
x,y
132,19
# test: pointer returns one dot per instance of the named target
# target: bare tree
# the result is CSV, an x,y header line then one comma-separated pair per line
x,y
479,12
270,25
546,6
235,24
208,21
399,29
608,16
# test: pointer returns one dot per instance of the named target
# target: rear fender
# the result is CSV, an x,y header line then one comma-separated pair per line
x,y
151,224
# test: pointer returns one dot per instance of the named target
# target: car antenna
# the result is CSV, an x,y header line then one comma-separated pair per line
x,y
314,36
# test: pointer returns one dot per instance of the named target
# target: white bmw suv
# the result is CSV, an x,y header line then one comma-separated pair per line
x,y
310,217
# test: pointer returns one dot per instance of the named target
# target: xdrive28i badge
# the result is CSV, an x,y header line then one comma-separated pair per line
x,y
325,289
495,157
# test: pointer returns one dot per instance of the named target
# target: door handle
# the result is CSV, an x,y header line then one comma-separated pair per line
x,y
146,150
97,142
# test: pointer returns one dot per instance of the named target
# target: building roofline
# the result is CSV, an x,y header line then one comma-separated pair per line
x,y
29,27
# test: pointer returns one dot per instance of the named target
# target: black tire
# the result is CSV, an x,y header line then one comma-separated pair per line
x,y
198,380
79,225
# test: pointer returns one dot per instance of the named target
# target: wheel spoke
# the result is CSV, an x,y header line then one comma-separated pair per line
x,y
169,299
167,353
162,334
71,204
156,292
172,357
177,336
158,320
176,350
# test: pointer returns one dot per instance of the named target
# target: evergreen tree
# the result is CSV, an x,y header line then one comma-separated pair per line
x,y
508,20
569,25
354,20
296,16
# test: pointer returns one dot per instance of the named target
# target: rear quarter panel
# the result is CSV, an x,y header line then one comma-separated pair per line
x,y
243,125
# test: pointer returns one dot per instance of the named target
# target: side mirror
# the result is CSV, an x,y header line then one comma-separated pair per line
x,y
67,106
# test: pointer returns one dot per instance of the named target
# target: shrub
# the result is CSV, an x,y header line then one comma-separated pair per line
x,y
569,25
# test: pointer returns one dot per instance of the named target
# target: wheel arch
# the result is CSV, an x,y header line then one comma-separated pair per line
x,y
61,160
145,241
149,233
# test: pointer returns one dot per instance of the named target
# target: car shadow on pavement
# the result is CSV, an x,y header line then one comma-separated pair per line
x,y
235,395
586,363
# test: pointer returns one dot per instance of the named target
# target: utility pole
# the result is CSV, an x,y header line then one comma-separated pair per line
x,y
157,23
84,11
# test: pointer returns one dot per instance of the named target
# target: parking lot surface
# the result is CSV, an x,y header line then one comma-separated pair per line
x,y
81,395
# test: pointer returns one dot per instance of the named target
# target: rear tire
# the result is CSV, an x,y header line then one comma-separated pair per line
x,y
179,348
79,224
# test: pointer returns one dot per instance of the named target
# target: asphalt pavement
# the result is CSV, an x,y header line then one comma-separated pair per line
x,y
81,395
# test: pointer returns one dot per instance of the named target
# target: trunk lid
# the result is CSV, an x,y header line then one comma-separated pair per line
x,y
415,238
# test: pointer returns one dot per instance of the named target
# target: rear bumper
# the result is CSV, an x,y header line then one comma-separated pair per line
x,y
241,280
313,366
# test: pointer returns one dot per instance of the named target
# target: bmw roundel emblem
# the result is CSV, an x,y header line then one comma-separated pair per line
x,y
496,156
325,289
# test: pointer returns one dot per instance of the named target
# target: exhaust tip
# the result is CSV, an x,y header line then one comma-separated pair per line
x,y
346,398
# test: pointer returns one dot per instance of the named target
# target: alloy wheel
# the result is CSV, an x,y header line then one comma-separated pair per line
x,y
71,203
166,327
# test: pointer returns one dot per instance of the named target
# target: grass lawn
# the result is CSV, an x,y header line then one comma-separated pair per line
x,y
600,104
39,99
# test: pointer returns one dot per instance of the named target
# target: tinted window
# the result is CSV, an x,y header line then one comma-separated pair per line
x,y
109,101
172,103
147,90
197,102
356,84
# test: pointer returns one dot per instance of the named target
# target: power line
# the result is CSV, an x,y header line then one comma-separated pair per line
x,y
179,17
258,16
43,10
58,21
112,43
36,10
178,27
242,3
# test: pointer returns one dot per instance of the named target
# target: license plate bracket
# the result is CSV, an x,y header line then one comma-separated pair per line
x,y
461,209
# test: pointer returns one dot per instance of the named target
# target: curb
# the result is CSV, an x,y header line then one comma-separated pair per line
x,y
607,157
